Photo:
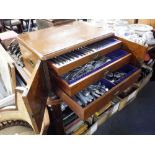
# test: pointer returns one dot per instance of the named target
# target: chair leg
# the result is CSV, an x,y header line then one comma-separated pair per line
x,y
33,24
20,28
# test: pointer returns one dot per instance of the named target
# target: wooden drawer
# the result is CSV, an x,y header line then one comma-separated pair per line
x,y
29,59
72,89
84,59
99,103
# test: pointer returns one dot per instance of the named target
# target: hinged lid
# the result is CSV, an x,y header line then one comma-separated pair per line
x,y
50,42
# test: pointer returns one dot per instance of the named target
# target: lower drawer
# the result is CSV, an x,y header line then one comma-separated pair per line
x,y
114,89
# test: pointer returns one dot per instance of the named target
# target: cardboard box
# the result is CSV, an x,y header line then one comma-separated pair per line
x,y
98,121
114,109
101,111
128,96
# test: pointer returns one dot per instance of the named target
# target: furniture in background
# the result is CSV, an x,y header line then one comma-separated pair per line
x,y
28,24
132,21
150,22
45,23
12,24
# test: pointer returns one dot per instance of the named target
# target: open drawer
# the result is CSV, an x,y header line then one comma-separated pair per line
x,y
114,89
118,59
107,46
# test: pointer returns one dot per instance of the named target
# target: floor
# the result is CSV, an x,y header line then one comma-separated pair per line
x,y
138,118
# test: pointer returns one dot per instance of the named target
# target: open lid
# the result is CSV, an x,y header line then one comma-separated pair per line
x,y
54,41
